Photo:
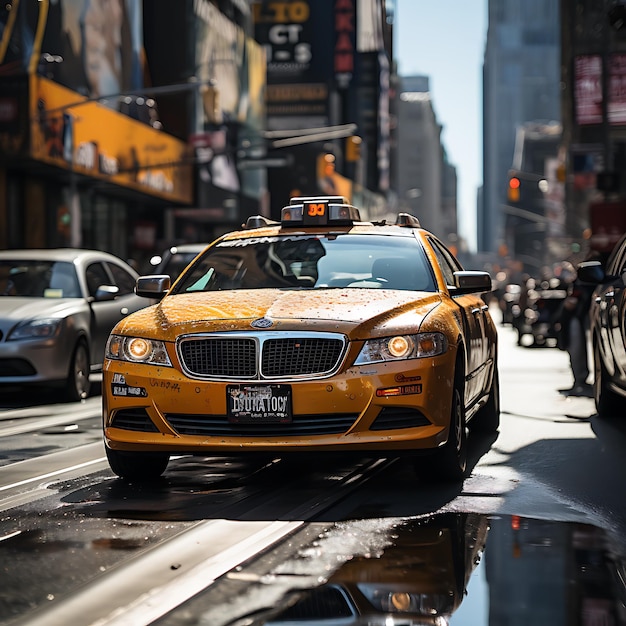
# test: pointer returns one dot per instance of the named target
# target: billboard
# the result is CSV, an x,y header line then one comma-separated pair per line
x,y
87,138
298,38
93,48
588,75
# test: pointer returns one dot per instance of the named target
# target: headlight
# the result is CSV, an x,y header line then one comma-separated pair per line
x,y
402,347
390,600
137,350
36,329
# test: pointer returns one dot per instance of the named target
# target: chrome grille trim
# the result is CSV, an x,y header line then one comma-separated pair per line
x,y
261,355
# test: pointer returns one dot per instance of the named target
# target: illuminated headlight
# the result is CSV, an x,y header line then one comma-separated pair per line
x,y
400,601
401,347
137,350
36,329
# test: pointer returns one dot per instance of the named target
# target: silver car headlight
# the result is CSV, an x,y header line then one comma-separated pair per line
x,y
402,347
386,598
44,328
137,350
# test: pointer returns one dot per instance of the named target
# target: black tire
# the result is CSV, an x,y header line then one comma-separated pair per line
x,y
608,403
487,420
449,464
77,385
137,466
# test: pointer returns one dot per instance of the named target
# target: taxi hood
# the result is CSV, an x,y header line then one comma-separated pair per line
x,y
357,312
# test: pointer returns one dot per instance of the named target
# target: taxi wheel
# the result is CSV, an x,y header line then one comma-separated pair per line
x,y
453,458
450,462
487,420
77,386
140,466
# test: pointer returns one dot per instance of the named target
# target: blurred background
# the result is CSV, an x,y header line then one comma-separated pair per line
x,y
132,126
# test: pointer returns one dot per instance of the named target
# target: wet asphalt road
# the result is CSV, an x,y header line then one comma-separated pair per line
x,y
551,475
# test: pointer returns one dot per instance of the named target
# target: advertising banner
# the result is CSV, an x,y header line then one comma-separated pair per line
x,y
88,138
617,89
299,41
92,47
588,89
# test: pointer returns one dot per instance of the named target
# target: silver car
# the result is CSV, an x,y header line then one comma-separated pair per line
x,y
57,308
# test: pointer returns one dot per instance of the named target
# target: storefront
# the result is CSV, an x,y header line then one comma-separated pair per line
x,y
77,173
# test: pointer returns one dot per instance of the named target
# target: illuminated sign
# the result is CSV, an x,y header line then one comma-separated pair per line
x,y
315,212
97,141
344,42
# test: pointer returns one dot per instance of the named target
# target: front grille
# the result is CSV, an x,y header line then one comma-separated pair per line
x,y
268,355
232,358
295,357
219,426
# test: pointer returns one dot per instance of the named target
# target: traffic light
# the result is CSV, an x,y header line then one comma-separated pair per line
x,y
353,148
325,165
513,192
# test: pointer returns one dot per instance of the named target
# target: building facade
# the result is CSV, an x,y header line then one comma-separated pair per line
x,y
593,76
328,82
156,123
425,180
521,83
122,129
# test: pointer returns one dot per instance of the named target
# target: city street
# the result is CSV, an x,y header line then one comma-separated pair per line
x,y
215,541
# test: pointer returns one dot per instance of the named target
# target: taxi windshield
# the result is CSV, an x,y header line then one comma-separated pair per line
x,y
311,261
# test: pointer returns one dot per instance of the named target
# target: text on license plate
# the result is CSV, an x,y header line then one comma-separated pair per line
x,y
258,404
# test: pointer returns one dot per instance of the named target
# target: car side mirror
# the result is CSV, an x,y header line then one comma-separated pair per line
x,y
154,286
106,293
472,282
592,272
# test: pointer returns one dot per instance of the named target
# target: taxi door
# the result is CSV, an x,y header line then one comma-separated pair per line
x,y
471,317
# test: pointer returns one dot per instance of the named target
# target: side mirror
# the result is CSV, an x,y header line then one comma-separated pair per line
x,y
472,282
154,286
106,293
592,272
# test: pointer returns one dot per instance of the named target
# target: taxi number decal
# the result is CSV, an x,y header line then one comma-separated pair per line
x,y
315,213
315,210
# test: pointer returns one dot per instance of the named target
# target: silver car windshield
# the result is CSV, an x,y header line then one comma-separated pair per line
x,y
315,262
38,279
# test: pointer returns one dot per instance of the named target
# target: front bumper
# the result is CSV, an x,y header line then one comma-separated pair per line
x,y
151,408
35,361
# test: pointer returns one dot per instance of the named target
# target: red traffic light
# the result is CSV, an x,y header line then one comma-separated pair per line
x,y
514,189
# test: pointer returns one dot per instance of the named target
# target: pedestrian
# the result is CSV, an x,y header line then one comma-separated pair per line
x,y
572,337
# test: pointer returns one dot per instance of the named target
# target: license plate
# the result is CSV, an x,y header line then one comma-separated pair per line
x,y
259,404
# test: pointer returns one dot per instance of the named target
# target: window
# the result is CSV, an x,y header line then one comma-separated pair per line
x,y
96,276
122,278
447,262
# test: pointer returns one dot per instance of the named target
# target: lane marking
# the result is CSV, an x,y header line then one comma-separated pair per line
x,y
41,477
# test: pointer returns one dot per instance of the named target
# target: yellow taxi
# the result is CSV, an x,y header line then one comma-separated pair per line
x,y
320,333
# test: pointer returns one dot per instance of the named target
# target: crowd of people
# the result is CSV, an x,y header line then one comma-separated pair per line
x,y
552,309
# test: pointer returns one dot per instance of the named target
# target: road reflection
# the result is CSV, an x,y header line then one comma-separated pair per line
x,y
468,569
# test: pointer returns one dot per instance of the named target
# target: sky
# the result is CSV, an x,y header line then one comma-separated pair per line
x,y
445,40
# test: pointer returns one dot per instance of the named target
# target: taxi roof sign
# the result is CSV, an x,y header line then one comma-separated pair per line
x,y
329,199
319,211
